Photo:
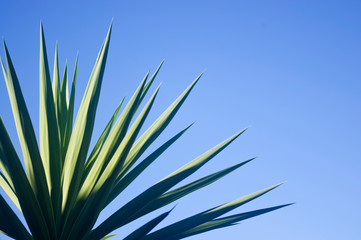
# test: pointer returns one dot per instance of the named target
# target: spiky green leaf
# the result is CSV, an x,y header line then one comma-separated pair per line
x,y
153,132
147,227
48,126
225,222
10,223
184,190
9,189
123,183
81,134
63,114
174,229
139,205
99,144
63,190
30,206
103,186
70,108
109,236
33,162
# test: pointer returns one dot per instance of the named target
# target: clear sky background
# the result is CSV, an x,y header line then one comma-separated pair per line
x,y
288,69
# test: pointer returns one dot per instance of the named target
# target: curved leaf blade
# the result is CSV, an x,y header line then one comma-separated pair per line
x,y
150,82
117,134
56,83
10,223
82,132
29,204
33,162
9,189
146,228
131,210
184,190
63,113
153,132
122,183
109,236
203,217
103,186
225,222
48,126
99,144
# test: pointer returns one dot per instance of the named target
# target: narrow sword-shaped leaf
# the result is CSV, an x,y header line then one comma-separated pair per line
x,y
90,186
130,211
62,123
82,132
72,91
112,142
70,110
63,113
119,131
109,236
103,186
33,162
123,122
48,127
6,183
122,183
10,223
99,144
56,83
9,190
29,204
186,224
49,113
155,130
182,191
6,174
146,228
150,82
184,172
225,222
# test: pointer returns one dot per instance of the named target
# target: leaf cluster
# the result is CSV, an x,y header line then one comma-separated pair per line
x,y
64,188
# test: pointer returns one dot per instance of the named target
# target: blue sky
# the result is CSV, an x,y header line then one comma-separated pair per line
x,y
288,69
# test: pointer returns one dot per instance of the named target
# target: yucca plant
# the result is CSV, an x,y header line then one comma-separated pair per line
x,y
64,188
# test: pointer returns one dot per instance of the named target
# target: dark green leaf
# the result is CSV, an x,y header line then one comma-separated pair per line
x,y
10,223
225,222
146,228
191,222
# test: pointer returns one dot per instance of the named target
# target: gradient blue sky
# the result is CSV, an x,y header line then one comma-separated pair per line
x,y
289,69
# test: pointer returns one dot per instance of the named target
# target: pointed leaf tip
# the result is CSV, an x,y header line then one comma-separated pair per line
x,y
288,204
5,48
277,185
42,37
110,27
239,133
251,159
173,207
